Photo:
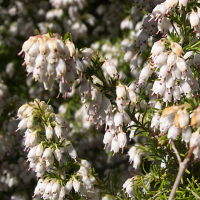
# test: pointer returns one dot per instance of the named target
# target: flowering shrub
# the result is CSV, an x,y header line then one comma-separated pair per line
x,y
122,97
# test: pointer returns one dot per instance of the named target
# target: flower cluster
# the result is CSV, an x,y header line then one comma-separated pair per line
x,y
101,110
48,150
172,69
50,59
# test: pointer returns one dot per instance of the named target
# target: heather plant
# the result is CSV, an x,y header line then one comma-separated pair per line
x,y
127,122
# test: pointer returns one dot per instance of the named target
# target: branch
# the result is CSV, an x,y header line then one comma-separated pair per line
x,y
193,193
156,194
182,167
176,152
194,161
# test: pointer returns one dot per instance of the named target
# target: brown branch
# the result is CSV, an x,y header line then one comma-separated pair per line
x,y
182,167
176,152
197,197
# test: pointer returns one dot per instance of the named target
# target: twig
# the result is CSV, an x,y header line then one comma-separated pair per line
x,y
193,193
176,152
194,161
182,167
156,194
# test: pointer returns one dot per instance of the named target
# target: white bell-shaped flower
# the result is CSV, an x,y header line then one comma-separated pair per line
x,y
170,4
68,186
118,119
106,105
163,71
49,132
167,97
171,59
47,153
136,161
39,150
131,95
172,132
176,73
76,185
58,154
62,192
159,87
108,136
121,91
58,131
186,134
185,87
47,194
194,19
161,59
85,163
132,152
110,69
115,145
55,187
122,139
145,73
194,141
155,121
158,105
181,64
169,81
166,123
128,55
164,24
87,182
176,92
157,48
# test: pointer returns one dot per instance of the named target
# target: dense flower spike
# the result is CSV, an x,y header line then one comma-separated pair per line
x,y
44,151
51,59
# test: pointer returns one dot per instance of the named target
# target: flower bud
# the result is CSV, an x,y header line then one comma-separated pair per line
x,y
181,119
176,48
181,64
